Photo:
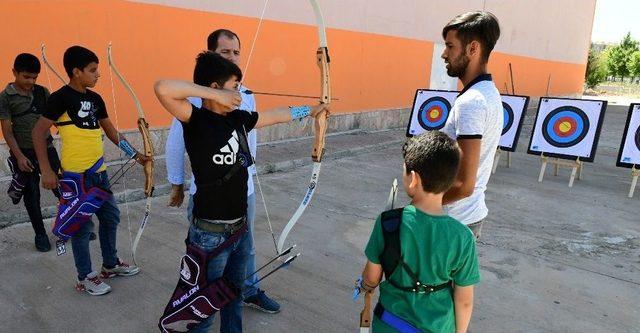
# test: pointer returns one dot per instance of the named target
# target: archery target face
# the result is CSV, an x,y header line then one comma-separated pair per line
x,y
430,111
514,108
433,113
630,148
567,127
507,119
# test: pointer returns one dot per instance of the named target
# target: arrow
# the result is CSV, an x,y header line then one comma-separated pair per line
x,y
249,92
284,264
284,253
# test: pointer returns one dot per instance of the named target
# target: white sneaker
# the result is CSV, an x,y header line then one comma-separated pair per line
x,y
93,285
121,269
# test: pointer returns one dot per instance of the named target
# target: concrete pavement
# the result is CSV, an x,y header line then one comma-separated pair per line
x,y
553,258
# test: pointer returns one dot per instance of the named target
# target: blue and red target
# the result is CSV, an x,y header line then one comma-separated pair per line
x,y
565,126
507,114
433,113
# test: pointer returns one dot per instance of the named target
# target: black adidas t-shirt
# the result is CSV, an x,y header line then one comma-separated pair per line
x,y
83,109
213,144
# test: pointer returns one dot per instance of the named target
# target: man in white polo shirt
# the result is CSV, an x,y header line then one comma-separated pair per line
x,y
476,117
227,44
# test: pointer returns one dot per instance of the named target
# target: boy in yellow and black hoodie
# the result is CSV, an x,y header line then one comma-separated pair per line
x,y
81,117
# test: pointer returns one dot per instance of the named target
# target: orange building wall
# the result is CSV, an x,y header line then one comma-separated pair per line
x,y
369,71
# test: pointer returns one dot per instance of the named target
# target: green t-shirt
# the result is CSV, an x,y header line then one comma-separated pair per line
x,y
438,249
14,103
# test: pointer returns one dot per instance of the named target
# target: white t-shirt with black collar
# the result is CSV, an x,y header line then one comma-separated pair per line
x,y
476,113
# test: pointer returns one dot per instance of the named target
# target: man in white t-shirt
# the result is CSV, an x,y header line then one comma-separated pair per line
x,y
227,44
476,117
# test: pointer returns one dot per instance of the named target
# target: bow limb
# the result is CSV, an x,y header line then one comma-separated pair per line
x,y
322,58
393,194
46,63
143,128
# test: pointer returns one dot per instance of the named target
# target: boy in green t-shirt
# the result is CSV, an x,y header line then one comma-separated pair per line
x,y
429,282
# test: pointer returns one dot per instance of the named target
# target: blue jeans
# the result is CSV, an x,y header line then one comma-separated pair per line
x,y
231,263
249,289
109,217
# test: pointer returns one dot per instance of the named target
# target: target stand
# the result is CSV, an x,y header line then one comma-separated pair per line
x,y
565,133
496,159
635,173
576,167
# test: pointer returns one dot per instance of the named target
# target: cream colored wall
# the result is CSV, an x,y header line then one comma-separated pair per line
x,y
551,30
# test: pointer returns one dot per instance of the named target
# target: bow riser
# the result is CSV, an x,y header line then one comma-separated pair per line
x,y
365,315
323,60
143,127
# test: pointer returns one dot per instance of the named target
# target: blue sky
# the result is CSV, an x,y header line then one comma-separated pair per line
x,y
614,18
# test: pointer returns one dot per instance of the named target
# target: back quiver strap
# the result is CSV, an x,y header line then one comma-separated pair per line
x,y
391,256
391,253
195,298
38,104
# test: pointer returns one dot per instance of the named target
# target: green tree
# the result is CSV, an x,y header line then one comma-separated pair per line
x,y
634,64
616,65
628,43
619,57
596,71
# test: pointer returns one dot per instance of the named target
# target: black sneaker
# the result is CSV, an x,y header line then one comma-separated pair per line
x,y
262,302
42,243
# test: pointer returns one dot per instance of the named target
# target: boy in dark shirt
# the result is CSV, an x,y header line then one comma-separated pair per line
x,y
215,139
81,117
21,104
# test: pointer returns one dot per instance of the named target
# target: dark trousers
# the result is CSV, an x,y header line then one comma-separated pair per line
x,y
31,194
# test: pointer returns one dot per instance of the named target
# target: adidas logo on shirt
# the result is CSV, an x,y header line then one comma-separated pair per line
x,y
227,155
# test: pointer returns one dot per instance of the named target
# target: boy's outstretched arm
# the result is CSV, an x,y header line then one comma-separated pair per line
x,y
39,135
283,115
463,304
173,95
